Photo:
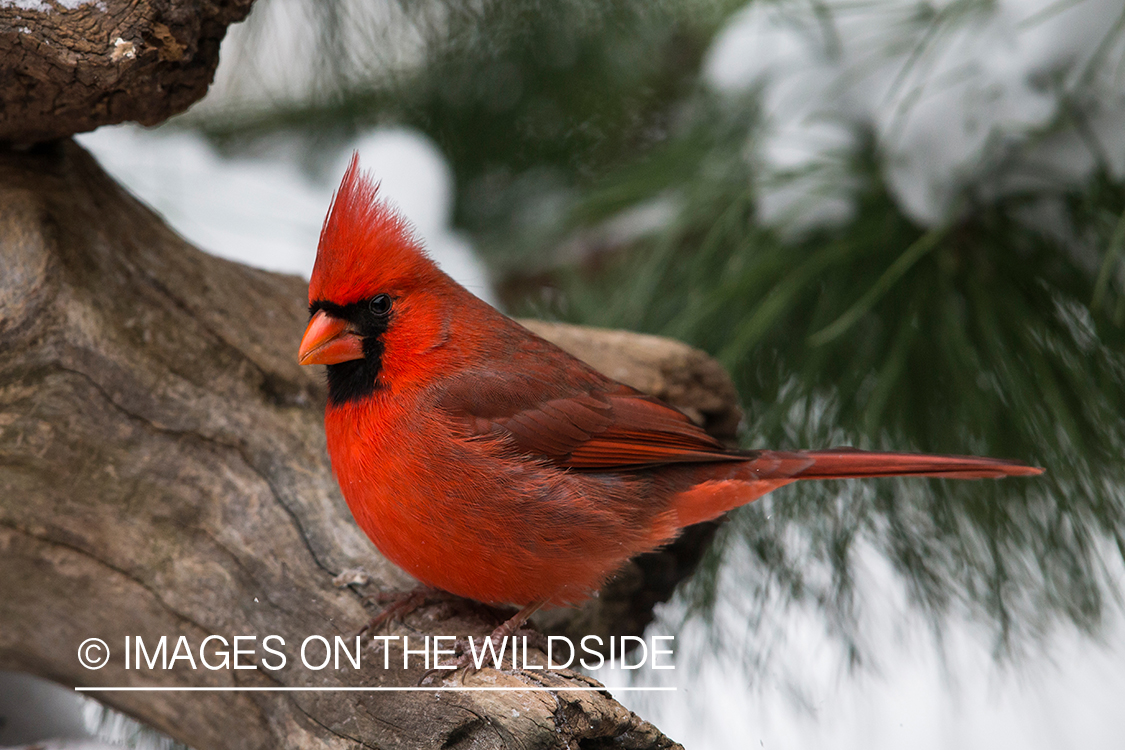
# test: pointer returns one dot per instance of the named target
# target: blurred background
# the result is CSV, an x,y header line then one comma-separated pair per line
x,y
899,223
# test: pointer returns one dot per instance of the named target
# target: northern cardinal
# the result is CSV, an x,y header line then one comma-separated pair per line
x,y
489,463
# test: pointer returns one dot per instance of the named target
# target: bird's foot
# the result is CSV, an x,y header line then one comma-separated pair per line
x,y
398,604
493,648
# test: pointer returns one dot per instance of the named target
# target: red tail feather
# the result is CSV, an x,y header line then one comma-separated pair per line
x,y
843,463
716,488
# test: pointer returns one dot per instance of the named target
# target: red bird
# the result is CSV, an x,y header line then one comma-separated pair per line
x,y
489,463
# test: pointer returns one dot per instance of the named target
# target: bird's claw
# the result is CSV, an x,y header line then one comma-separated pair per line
x,y
398,604
463,667
465,648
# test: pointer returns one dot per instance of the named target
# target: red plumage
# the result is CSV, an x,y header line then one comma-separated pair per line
x,y
489,463
359,228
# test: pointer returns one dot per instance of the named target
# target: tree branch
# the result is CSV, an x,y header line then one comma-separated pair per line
x,y
68,68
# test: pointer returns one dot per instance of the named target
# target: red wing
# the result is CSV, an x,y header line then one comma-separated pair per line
x,y
638,430
592,429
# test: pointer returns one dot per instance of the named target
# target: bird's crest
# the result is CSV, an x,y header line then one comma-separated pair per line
x,y
366,247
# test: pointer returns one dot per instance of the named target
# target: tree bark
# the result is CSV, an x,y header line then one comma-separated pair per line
x,y
163,472
68,67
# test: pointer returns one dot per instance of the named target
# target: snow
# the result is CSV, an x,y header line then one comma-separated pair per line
x,y
33,5
1068,696
39,6
267,211
948,89
278,57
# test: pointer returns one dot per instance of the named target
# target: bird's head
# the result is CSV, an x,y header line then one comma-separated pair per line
x,y
372,287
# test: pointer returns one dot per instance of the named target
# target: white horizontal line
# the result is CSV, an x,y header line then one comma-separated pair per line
x,y
414,689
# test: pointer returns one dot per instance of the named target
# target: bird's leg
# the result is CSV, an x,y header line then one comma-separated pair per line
x,y
514,623
507,629
398,604
510,627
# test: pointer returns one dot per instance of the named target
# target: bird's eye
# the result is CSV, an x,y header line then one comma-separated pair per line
x,y
380,304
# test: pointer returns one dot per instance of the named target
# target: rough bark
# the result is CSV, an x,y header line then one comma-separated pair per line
x,y
163,472
69,67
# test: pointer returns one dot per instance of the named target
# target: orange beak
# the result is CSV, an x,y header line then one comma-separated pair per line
x,y
328,341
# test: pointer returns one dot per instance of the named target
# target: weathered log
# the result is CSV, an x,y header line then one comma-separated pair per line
x,y
163,472
68,67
